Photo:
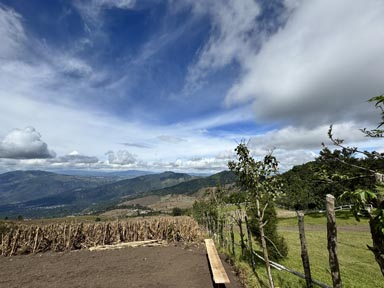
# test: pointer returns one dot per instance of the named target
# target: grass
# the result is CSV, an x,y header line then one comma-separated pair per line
x,y
357,264
343,218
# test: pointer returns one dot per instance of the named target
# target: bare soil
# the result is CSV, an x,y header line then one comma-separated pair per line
x,y
163,266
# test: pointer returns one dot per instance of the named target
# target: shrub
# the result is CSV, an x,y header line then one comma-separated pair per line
x,y
176,211
276,245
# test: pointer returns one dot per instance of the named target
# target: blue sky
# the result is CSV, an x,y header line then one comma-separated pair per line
x,y
175,85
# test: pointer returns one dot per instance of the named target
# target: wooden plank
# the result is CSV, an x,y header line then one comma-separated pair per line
x,y
126,244
218,271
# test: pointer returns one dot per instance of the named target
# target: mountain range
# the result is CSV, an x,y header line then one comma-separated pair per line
x,y
37,194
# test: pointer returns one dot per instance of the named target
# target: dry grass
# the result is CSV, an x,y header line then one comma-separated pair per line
x,y
23,238
163,203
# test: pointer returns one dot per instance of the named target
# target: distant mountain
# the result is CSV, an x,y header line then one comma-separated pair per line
x,y
47,194
130,187
95,173
68,201
23,186
192,186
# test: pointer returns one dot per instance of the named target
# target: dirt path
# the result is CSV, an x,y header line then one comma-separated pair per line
x,y
169,266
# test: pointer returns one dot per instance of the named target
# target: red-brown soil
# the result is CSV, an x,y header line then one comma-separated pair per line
x,y
163,266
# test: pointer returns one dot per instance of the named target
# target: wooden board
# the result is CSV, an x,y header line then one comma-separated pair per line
x,y
126,244
218,271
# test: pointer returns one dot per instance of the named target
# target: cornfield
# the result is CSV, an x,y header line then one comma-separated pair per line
x,y
17,239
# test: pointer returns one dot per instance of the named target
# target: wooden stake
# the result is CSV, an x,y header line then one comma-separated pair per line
x,y
233,240
332,241
261,224
250,245
304,252
36,238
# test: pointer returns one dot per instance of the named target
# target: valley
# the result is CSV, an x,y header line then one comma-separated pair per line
x,y
41,194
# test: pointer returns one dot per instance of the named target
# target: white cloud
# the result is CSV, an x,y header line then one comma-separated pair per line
x,y
11,33
73,66
74,158
123,4
319,68
297,145
171,139
292,138
90,10
24,144
121,157
232,24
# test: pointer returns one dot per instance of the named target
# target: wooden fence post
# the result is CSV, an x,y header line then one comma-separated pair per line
x,y
233,240
250,245
332,241
304,252
242,244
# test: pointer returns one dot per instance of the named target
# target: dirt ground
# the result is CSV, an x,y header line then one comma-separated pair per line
x,y
163,266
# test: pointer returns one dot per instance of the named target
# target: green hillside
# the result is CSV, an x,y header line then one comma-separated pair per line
x,y
65,199
24,186
190,187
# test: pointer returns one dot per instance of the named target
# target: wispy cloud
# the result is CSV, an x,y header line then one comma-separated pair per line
x,y
11,33
136,145
91,9
233,24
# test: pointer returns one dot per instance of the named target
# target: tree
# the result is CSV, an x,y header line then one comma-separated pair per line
x,y
257,179
300,188
176,211
276,245
206,211
361,195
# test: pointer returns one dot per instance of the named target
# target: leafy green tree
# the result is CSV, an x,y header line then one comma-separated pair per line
x,y
300,188
276,244
356,170
257,179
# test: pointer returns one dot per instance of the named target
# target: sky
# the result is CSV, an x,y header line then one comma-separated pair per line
x,y
176,84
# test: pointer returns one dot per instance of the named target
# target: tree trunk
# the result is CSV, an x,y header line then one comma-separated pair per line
x,y
332,241
264,244
378,241
250,245
242,244
304,252
233,240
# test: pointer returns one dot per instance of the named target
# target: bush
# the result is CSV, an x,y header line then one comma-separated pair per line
x,y
176,211
276,245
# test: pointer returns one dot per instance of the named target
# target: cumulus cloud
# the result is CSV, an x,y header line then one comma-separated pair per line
x,y
24,144
315,71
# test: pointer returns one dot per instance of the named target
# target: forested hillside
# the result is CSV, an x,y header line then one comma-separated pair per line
x,y
305,186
